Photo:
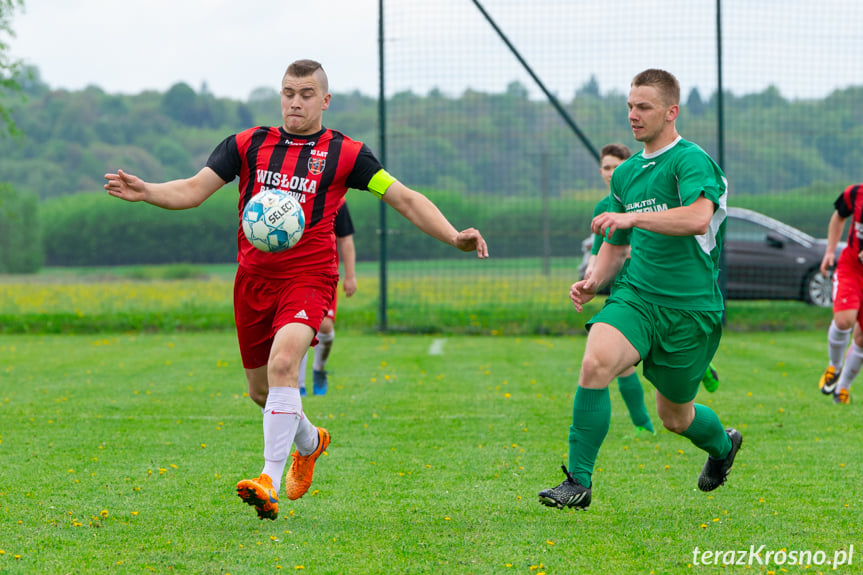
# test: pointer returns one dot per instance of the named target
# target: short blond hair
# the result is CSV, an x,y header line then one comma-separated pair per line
x,y
306,68
664,82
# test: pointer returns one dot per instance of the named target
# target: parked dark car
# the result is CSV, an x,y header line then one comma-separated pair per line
x,y
767,259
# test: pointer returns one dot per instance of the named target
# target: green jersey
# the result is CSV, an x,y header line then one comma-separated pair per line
x,y
601,207
673,271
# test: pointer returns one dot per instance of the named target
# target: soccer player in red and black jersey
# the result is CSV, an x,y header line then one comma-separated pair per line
x,y
847,296
281,298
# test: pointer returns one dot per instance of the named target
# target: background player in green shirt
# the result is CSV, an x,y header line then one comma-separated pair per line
x,y
611,156
668,203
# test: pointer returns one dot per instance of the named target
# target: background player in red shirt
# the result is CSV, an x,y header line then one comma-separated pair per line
x,y
281,298
847,296
327,331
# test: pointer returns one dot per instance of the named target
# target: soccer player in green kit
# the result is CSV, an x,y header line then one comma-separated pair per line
x,y
669,204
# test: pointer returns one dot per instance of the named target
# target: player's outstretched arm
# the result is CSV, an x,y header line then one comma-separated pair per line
x,y
427,217
173,195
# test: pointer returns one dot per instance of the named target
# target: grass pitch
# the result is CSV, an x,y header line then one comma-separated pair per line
x,y
120,454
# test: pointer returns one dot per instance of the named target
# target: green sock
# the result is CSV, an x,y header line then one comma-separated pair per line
x,y
706,432
633,397
591,416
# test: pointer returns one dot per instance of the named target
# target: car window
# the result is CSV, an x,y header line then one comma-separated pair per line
x,y
745,231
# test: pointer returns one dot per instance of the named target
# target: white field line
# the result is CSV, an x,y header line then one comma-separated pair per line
x,y
436,348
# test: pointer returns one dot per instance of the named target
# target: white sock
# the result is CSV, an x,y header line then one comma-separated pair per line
x,y
322,350
837,342
303,363
853,363
282,416
306,438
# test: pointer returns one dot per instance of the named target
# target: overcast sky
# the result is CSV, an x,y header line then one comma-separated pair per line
x,y
807,49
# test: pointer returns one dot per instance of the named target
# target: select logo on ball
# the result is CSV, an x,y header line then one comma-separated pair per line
x,y
273,221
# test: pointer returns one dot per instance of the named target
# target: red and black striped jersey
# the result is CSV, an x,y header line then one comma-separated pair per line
x,y
317,169
850,204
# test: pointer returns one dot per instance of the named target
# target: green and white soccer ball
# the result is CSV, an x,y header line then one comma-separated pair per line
x,y
273,221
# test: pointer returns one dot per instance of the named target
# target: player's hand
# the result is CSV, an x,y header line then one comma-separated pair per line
x,y
581,292
349,285
828,261
606,223
469,240
125,186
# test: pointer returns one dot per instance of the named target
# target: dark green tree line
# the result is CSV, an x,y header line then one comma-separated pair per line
x,y
505,143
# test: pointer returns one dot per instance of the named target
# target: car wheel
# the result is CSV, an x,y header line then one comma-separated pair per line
x,y
818,289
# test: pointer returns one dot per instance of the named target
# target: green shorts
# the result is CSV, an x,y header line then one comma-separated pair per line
x,y
676,345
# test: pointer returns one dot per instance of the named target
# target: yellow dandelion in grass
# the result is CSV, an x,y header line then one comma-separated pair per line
x,y
174,466
715,519
104,513
298,567
162,471
507,395
134,514
704,525
447,519
549,542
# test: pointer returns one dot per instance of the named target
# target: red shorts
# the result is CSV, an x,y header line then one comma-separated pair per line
x,y
848,290
263,306
331,313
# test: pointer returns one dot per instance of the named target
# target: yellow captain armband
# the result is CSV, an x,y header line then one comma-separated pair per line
x,y
380,182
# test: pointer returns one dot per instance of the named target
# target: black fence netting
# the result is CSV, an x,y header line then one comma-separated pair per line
x,y
496,109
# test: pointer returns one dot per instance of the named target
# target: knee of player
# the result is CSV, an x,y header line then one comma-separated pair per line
x,y
281,367
673,423
258,396
596,368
